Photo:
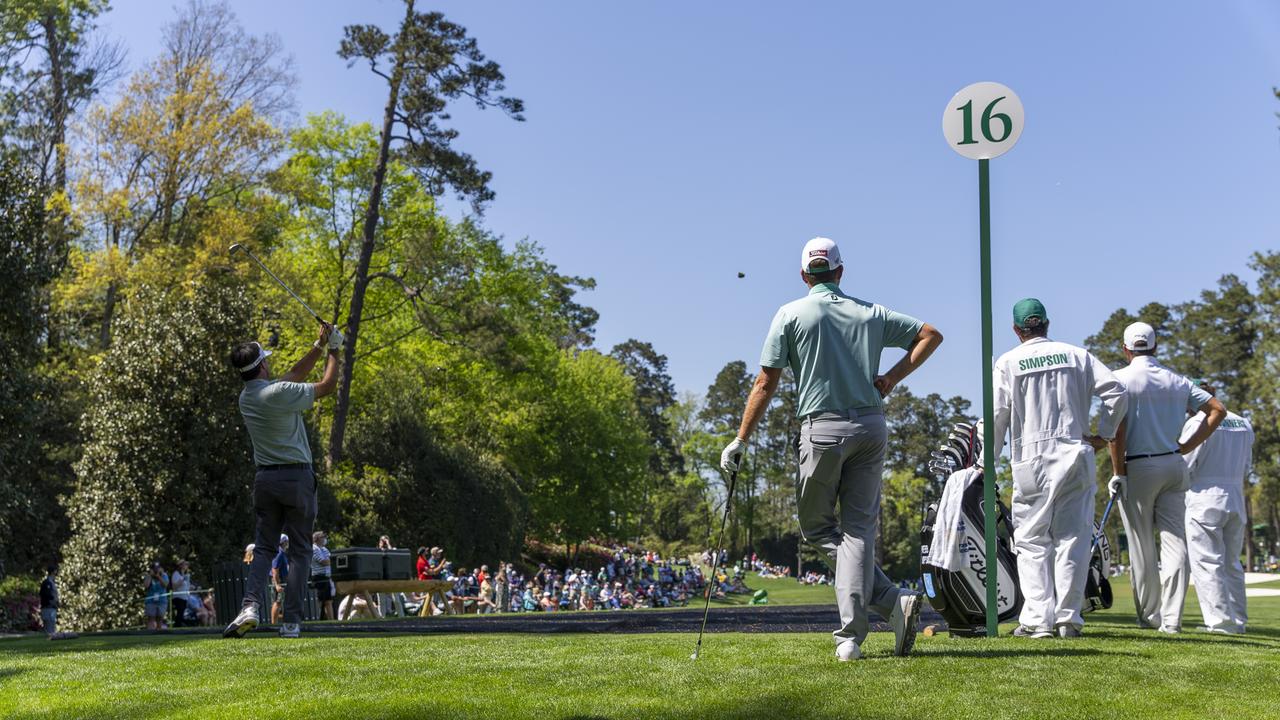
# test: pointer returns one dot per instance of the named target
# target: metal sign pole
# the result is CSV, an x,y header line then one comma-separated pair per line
x,y
983,121
988,403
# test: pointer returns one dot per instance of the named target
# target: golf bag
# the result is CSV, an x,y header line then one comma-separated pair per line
x,y
959,591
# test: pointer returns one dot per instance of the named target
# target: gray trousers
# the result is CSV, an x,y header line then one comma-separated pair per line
x,y
49,618
284,501
841,462
1155,502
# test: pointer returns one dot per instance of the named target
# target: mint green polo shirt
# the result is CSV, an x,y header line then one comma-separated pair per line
x,y
832,343
272,411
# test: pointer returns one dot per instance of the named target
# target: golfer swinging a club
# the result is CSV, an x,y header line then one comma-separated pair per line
x,y
832,343
284,488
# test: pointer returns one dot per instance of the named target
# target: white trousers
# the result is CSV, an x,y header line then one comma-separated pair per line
x,y
1052,527
1215,536
1154,502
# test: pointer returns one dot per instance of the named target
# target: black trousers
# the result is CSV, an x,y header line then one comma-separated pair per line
x,y
284,501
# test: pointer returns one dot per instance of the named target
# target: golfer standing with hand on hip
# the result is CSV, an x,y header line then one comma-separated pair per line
x,y
284,488
1151,476
832,343
1216,520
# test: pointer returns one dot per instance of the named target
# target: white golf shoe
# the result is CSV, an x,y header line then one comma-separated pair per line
x,y
1170,630
291,630
247,620
903,619
848,650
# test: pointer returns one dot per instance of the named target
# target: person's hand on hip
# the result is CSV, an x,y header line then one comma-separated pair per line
x,y
884,385
732,454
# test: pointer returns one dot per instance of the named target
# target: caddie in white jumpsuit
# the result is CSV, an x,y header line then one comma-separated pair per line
x,y
832,343
1216,519
1151,476
1043,390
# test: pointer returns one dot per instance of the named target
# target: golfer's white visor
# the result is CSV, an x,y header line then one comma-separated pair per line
x,y
263,354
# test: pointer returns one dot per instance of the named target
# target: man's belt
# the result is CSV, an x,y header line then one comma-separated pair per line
x,y
286,466
1127,458
850,414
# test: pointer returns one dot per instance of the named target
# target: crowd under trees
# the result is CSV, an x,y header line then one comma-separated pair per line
x,y
474,410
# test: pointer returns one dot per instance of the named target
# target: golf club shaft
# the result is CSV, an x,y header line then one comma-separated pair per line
x,y
1102,524
280,282
715,561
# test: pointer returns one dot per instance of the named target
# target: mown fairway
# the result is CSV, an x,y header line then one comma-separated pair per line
x,y
1116,671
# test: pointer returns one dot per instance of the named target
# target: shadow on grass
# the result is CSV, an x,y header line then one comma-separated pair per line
x,y
93,644
1009,652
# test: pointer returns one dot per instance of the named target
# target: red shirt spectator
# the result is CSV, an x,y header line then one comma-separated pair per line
x,y
422,564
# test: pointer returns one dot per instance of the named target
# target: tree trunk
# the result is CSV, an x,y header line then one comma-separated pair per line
x,y
56,232
342,406
104,333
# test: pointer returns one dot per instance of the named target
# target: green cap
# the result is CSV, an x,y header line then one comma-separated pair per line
x,y
1026,309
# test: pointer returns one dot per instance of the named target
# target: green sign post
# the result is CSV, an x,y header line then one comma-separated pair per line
x,y
981,122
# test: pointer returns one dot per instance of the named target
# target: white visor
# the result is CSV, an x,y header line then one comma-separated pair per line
x,y
263,354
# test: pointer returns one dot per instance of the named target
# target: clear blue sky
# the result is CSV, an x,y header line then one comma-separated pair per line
x,y
671,145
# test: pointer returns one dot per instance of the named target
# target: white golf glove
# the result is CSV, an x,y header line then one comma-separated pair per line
x,y
336,338
1118,484
732,454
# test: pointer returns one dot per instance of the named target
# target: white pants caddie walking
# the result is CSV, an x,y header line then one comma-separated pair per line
x,y
1155,502
1215,530
1053,491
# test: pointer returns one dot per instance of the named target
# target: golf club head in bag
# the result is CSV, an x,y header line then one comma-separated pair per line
x,y
964,438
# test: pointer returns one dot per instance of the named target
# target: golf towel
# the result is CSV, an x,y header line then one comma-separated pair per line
x,y
948,525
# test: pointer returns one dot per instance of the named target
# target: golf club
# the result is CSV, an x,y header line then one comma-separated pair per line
x,y
1102,524
715,561
232,250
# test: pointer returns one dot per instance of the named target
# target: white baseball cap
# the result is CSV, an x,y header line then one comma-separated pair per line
x,y
1140,336
820,249
263,354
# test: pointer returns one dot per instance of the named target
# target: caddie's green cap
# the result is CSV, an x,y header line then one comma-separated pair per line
x,y
1026,309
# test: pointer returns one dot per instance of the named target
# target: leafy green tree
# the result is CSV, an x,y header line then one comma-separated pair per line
x,y
28,501
428,64
655,393
50,69
401,480
166,468
192,129
1263,408
917,426
581,448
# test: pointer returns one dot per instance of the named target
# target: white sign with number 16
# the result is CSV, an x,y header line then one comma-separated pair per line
x,y
983,121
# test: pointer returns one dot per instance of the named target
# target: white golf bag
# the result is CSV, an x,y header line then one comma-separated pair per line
x,y
954,556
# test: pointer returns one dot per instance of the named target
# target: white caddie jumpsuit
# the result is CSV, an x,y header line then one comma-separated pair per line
x,y
1043,390
1215,522
1154,499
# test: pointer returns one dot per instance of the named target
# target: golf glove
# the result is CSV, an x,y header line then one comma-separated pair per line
x,y
336,338
1118,484
732,454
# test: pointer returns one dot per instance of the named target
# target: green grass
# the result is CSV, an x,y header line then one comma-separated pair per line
x,y
1116,671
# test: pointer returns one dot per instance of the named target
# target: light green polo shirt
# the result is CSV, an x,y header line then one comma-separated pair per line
x,y
272,411
832,343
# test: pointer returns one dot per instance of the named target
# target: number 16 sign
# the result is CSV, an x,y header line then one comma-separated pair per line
x,y
981,122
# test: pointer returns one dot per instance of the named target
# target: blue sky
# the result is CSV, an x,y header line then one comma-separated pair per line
x,y
670,146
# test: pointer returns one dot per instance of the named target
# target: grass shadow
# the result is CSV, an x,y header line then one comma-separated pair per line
x,y
1028,651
